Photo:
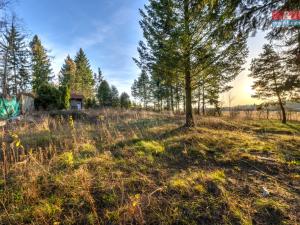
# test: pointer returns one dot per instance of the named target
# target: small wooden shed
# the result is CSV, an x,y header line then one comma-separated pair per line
x,y
26,101
76,101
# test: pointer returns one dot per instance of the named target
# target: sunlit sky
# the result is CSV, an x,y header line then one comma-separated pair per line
x,y
108,31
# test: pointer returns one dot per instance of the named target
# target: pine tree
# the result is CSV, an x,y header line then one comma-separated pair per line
x,y
15,55
104,94
41,65
24,74
269,78
98,78
84,75
141,88
183,39
125,101
291,58
68,74
5,49
115,99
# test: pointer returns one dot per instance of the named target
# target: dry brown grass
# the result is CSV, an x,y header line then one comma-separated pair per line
x,y
136,167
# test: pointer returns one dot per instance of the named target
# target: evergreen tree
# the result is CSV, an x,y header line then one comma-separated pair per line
x,y
269,78
291,58
5,49
184,38
41,66
24,74
15,64
125,100
98,78
84,75
65,95
141,88
68,74
115,100
104,94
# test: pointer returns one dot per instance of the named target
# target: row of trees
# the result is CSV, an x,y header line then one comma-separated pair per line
x,y
109,96
26,66
194,49
77,76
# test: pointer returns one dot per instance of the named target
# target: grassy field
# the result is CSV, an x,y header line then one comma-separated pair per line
x,y
127,167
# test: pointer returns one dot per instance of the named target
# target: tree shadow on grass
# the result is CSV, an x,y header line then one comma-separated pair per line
x,y
292,126
173,132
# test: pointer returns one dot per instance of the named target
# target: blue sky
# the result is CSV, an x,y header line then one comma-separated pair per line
x,y
109,32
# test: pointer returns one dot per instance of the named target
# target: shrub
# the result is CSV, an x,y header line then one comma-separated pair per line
x,y
48,97
90,103
87,150
125,101
65,95
65,160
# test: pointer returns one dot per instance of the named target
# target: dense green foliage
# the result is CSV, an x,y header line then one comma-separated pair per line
x,y
65,95
141,89
104,94
48,97
41,66
68,73
125,101
115,100
84,75
194,49
187,48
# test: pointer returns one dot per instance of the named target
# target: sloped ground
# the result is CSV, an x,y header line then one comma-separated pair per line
x,y
131,167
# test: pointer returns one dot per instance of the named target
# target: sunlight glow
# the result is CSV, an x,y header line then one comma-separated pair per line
x,y
249,91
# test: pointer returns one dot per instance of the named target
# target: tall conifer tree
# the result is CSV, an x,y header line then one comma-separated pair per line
x,y
15,65
41,65
269,81
84,74
68,74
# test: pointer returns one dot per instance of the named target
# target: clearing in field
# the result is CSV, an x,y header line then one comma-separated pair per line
x,y
136,167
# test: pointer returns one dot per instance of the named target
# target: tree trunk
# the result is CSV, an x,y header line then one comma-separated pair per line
x,y
282,110
188,105
177,97
280,101
199,99
203,100
184,100
4,79
187,69
172,99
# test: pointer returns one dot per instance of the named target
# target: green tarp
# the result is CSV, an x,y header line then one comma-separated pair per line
x,y
9,108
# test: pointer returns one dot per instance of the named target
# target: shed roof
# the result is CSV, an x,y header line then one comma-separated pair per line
x,y
32,95
76,96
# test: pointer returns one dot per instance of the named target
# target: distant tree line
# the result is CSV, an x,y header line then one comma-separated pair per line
x,y
194,49
26,66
